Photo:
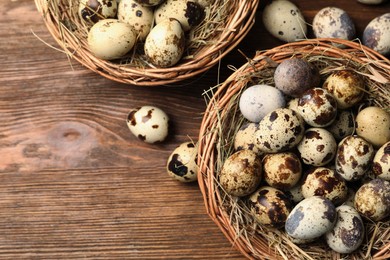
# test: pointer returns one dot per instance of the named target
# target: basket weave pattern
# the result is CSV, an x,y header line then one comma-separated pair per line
x,y
216,142
63,22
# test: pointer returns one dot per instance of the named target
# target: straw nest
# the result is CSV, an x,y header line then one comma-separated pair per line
x,y
226,23
222,119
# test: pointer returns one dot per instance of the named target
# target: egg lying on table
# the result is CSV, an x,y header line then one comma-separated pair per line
x,y
376,35
284,20
164,45
95,10
148,123
181,164
111,39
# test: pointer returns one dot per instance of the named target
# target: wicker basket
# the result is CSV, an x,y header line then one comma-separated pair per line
x,y
230,21
216,143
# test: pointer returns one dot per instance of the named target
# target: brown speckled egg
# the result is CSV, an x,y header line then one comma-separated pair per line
x,y
372,199
295,76
353,158
348,233
311,218
326,183
333,22
181,164
376,35
188,13
381,162
148,123
270,206
317,147
241,173
295,193
148,2
317,107
346,86
279,130
96,10
282,170
343,125
373,124
245,137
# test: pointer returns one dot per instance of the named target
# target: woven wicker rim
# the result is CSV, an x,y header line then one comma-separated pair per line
x,y
225,39
259,247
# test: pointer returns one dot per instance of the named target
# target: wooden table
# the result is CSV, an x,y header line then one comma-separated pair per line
x,y
74,182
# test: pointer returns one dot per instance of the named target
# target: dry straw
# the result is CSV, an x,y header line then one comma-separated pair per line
x,y
222,120
226,23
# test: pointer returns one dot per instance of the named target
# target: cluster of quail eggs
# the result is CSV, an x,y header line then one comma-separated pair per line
x,y
284,20
157,27
312,157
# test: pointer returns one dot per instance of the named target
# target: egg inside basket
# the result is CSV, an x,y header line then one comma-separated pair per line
x,y
222,120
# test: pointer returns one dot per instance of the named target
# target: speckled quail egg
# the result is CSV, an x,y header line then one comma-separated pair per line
x,y
270,206
349,201
282,170
333,22
294,76
376,35
372,199
317,107
188,13
138,16
348,233
373,124
311,218
318,147
111,39
164,45
241,173
245,137
353,157
343,125
181,164
381,162
284,20
346,86
258,100
295,193
148,123
279,130
324,182
95,10
293,104
149,2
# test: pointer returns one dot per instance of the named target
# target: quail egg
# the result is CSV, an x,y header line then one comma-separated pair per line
x,y
95,10
381,162
294,76
372,199
270,206
148,2
333,22
282,170
317,107
164,45
245,137
376,35
181,164
348,233
258,100
138,16
318,147
284,20
346,86
373,124
188,13
343,125
311,218
148,123
111,39
326,183
279,130
241,173
295,193
353,157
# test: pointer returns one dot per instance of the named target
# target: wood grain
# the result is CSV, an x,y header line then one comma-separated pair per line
x,y
74,182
